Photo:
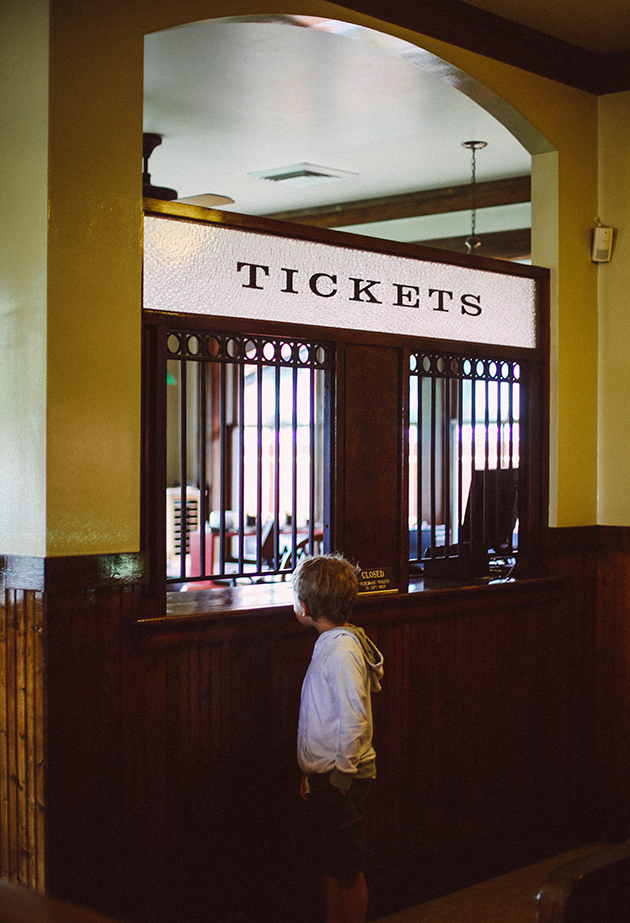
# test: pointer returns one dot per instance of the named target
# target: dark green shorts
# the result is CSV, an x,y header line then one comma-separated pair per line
x,y
338,825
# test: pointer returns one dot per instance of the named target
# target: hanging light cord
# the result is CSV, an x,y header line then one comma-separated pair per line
x,y
473,215
473,242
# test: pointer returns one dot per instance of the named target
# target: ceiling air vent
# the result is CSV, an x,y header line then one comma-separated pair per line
x,y
301,174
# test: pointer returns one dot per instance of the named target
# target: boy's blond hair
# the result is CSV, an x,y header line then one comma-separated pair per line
x,y
328,586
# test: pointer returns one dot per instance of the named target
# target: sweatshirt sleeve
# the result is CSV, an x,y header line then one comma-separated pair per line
x,y
350,685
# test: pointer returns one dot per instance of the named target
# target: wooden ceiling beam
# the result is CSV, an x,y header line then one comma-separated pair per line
x,y
501,245
509,191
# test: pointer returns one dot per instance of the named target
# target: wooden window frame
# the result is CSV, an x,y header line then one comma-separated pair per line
x,y
370,413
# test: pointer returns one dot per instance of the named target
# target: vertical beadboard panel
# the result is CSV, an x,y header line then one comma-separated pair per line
x,y
173,780
171,751
22,738
612,678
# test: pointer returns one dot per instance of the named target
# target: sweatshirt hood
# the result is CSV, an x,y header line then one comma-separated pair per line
x,y
373,656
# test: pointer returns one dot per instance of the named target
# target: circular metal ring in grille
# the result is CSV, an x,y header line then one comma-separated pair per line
x,y
250,350
439,365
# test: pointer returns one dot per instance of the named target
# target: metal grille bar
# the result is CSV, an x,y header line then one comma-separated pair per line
x,y
464,460
247,435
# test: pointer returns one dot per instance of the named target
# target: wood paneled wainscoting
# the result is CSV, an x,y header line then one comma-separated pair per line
x,y
22,738
171,784
594,563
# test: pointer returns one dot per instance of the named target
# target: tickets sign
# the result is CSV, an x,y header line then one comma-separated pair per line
x,y
198,268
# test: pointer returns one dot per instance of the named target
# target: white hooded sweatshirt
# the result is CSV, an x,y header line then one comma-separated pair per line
x,y
335,726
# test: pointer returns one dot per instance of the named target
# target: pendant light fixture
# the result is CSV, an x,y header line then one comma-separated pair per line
x,y
473,242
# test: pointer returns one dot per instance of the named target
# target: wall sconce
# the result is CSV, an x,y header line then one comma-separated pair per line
x,y
603,238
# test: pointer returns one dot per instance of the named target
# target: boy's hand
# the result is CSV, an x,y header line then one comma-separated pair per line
x,y
304,787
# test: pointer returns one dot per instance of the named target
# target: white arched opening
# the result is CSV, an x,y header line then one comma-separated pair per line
x,y
241,98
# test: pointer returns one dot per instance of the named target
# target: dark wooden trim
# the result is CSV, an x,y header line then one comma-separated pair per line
x,y
238,609
215,323
485,33
73,574
153,515
403,497
338,449
613,538
616,73
510,191
262,225
21,572
587,539
571,540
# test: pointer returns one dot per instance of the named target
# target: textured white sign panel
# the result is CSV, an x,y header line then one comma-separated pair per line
x,y
208,269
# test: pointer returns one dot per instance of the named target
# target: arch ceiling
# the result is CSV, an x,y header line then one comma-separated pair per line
x,y
234,98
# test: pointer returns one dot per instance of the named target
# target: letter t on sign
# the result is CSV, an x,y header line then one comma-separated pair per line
x,y
253,275
440,293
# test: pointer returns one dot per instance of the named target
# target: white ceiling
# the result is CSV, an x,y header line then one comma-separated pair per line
x,y
231,98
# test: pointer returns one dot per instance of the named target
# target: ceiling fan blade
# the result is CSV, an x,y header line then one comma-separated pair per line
x,y
151,140
207,200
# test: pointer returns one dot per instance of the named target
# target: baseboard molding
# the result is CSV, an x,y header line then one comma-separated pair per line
x,y
74,574
587,539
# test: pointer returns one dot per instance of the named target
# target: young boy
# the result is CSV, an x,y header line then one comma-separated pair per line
x,y
335,750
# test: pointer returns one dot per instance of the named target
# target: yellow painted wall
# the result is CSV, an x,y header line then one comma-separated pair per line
x,y
568,119
94,266
94,281
614,299
545,247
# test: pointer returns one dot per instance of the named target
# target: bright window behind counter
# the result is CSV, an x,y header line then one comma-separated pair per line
x,y
247,450
464,438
